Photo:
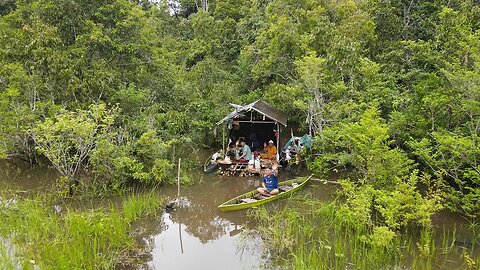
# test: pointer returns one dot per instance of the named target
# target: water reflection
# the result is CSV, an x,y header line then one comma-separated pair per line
x,y
197,235
201,217
177,248
19,175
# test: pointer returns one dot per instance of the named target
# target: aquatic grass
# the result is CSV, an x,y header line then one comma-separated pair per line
x,y
428,249
73,239
448,240
143,204
314,235
93,231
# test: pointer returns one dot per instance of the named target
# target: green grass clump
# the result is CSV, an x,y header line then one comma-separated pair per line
x,y
136,206
73,239
314,235
318,240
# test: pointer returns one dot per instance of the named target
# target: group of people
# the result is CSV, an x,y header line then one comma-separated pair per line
x,y
242,152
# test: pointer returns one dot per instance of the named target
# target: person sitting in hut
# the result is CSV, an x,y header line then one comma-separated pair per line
x,y
232,152
269,183
269,151
246,153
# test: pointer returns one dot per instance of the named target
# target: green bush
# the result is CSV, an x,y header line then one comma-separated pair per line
x,y
379,183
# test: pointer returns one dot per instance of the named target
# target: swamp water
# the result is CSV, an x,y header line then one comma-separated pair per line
x,y
196,235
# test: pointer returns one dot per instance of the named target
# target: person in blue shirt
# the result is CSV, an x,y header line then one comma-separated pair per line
x,y
269,183
246,152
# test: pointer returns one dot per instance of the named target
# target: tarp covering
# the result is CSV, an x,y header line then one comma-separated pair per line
x,y
259,106
295,146
304,141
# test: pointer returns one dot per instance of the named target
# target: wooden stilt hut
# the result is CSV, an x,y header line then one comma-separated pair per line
x,y
256,123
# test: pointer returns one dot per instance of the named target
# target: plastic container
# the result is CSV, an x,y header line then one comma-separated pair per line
x,y
257,165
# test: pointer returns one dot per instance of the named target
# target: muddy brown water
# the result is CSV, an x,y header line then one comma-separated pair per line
x,y
196,235
19,176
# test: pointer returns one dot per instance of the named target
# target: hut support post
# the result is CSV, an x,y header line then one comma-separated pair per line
x,y
223,140
278,142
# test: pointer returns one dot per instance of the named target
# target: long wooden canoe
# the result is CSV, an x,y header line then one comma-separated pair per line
x,y
253,198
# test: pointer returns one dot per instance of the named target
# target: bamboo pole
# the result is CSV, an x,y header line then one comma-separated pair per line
x,y
325,181
256,121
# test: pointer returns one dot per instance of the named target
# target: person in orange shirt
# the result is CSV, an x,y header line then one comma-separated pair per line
x,y
270,151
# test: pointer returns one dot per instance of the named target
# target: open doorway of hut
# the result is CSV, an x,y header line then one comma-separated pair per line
x,y
255,134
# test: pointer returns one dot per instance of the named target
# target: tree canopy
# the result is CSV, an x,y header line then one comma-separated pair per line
x,y
391,89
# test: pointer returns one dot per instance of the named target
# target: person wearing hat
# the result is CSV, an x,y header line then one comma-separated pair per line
x,y
269,151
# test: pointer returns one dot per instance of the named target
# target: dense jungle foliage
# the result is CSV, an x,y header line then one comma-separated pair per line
x,y
109,89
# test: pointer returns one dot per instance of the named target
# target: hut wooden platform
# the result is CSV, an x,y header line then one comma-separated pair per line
x,y
243,169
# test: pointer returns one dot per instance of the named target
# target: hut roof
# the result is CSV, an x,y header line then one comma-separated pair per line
x,y
259,106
